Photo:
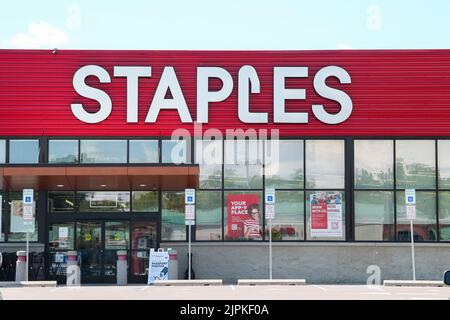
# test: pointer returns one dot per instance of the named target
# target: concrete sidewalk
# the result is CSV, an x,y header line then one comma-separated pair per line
x,y
227,292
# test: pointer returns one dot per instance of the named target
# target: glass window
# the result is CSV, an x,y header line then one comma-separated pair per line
x,y
425,223
61,201
243,164
145,201
2,218
325,167
415,164
284,164
173,227
328,222
103,201
243,215
444,164
23,151
374,164
61,236
209,215
209,156
374,215
103,151
16,221
289,216
2,151
63,151
175,151
117,235
144,151
444,215
143,235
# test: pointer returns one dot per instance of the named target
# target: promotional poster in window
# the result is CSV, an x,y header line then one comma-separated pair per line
x,y
326,214
243,217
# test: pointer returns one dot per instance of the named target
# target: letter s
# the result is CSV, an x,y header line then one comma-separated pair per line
x,y
334,94
86,91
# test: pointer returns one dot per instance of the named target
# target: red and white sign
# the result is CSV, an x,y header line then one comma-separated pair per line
x,y
243,216
326,214
288,90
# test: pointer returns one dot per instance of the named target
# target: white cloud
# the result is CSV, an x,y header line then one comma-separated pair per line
x,y
39,35
344,46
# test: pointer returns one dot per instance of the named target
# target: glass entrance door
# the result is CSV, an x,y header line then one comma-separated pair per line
x,y
143,238
89,245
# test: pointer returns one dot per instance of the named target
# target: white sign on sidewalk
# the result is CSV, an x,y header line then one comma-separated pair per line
x,y
270,211
270,196
189,196
27,196
158,266
410,196
411,212
189,212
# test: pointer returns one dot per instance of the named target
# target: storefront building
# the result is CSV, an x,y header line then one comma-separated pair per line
x,y
109,140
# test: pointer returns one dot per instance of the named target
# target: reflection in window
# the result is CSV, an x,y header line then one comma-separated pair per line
x,y
63,151
103,201
103,151
374,215
117,235
289,216
143,235
173,227
325,166
144,151
61,236
444,215
209,215
415,164
243,215
284,164
61,201
145,201
174,151
2,151
243,164
444,164
208,154
327,197
23,151
425,223
374,164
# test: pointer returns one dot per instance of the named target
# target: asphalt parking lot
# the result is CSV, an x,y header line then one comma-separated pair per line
x,y
227,292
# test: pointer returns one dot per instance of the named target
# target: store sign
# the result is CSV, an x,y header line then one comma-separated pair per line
x,y
158,266
248,82
326,214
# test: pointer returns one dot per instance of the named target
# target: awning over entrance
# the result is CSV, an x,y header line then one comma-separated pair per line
x,y
167,177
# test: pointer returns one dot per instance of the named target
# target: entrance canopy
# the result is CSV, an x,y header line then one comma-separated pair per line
x,y
167,177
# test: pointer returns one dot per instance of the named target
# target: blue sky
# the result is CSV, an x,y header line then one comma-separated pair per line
x,y
214,25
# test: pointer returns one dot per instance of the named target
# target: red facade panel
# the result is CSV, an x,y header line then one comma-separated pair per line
x,y
394,92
